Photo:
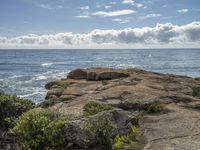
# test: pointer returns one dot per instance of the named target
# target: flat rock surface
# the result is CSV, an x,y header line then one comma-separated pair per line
x,y
177,128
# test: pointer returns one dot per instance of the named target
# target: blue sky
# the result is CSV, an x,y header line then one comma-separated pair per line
x,y
44,17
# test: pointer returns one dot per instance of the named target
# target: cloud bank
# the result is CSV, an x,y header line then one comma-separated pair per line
x,y
162,36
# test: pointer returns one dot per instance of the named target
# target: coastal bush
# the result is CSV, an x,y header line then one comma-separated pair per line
x,y
196,92
66,98
102,127
128,141
63,84
39,129
155,108
48,103
92,108
11,107
104,82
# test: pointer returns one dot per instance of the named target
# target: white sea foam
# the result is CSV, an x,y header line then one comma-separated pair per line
x,y
127,66
15,76
46,64
40,77
32,94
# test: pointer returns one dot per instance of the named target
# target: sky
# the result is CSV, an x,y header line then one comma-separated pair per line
x,y
99,24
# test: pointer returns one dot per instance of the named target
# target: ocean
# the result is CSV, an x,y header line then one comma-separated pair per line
x,y
25,72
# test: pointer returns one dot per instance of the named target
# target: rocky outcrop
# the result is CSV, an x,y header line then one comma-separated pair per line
x,y
95,74
134,96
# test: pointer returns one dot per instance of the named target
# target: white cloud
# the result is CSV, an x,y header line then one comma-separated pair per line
x,y
108,7
50,7
139,5
128,2
82,16
150,16
114,13
182,11
85,8
126,20
162,35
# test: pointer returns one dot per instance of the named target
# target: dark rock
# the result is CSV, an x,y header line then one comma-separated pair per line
x,y
107,75
77,74
55,92
50,84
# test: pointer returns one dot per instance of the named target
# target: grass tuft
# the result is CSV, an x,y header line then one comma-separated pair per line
x,y
196,92
92,108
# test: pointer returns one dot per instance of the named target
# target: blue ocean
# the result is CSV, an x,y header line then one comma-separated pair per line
x,y
25,72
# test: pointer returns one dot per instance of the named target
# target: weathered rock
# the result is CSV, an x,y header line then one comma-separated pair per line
x,y
54,92
95,74
107,75
131,91
77,74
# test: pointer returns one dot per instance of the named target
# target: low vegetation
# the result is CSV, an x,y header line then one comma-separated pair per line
x,y
92,108
11,107
104,82
102,127
48,103
63,84
39,129
66,98
196,91
156,107
128,141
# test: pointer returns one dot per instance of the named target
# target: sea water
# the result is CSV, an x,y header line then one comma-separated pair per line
x,y
25,72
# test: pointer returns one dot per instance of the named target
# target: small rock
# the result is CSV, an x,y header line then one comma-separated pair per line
x,y
56,92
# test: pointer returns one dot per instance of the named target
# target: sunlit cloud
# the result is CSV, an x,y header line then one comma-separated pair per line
x,y
150,16
183,10
128,2
114,13
161,35
85,8
82,16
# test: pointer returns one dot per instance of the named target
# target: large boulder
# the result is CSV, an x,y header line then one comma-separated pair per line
x,y
77,74
96,74
107,75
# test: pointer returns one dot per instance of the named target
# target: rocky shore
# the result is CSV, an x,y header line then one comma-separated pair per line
x,y
126,109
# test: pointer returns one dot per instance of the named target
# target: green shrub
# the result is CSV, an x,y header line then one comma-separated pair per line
x,y
104,82
63,84
92,108
102,127
155,108
64,99
48,103
196,92
119,142
39,129
11,107
129,141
